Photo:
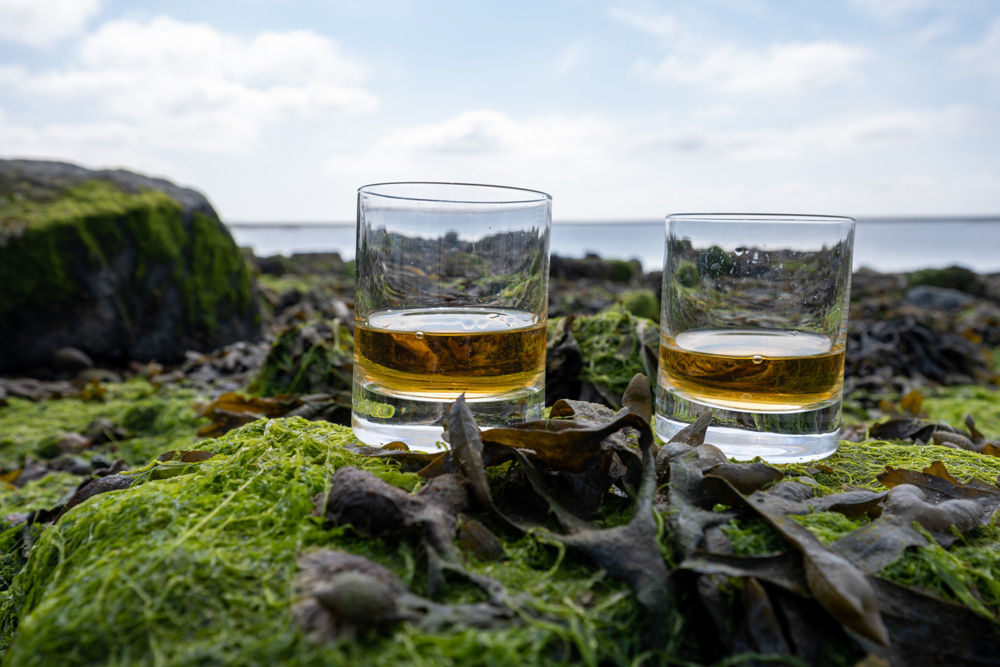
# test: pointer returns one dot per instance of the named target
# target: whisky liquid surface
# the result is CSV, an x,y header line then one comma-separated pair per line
x,y
439,353
766,371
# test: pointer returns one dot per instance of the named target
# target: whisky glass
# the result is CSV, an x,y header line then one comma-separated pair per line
x,y
451,298
753,328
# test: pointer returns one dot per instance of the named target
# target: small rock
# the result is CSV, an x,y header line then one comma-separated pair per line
x,y
99,461
73,443
33,470
75,465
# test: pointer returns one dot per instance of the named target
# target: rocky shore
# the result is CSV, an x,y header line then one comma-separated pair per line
x,y
183,489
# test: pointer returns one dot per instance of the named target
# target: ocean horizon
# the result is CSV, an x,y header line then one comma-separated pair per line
x,y
886,244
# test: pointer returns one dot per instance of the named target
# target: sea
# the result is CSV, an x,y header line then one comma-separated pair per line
x,y
888,245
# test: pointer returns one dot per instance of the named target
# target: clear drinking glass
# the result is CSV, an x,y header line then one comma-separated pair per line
x,y
451,298
753,327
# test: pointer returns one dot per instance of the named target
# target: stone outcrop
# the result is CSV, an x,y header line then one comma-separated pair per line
x,y
118,265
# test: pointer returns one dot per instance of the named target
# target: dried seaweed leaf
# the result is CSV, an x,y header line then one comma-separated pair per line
x,y
912,402
638,398
467,452
929,631
746,477
918,430
759,630
630,552
782,569
838,586
938,489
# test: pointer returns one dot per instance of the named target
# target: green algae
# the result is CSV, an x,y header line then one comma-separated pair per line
x,y
159,418
857,464
951,404
642,303
615,345
39,494
968,572
307,357
828,527
199,569
753,536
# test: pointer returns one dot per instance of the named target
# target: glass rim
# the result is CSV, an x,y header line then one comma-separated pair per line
x,y
759,217
372,190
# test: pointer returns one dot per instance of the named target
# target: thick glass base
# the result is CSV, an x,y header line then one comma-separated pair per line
x,y
379,417
776,437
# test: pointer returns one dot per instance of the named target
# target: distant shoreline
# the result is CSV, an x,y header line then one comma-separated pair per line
x,y
883,243
866,220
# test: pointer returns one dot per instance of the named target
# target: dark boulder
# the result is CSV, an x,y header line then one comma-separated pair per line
x,y
939,298
116,265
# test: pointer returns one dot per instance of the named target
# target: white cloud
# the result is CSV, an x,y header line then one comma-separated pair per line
x,y
781,68
488,146
839,136
41,22
492,134
174,84
698,60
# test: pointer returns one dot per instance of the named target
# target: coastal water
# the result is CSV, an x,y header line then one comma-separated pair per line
x,y
884,244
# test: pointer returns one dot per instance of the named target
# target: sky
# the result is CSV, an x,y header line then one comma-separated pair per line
x,y
620,109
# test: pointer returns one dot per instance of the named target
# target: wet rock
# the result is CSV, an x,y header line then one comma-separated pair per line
x,y
73,443
592,266
32,470
939,298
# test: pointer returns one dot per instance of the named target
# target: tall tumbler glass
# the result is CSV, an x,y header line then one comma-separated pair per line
x,y
753,327
451,298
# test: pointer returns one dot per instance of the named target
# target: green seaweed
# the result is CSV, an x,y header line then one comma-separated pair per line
x,y
43,493
951,404
614,343
753,536
642,303
857,464
160,419
828,527
968,572
199,569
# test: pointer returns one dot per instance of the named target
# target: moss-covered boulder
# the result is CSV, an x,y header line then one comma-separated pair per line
x,y
115,264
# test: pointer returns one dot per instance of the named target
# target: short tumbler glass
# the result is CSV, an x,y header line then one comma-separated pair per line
x,y
753,327
451,298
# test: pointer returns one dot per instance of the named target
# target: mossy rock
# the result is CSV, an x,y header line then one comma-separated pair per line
x,y
118,265
952,277
642,303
